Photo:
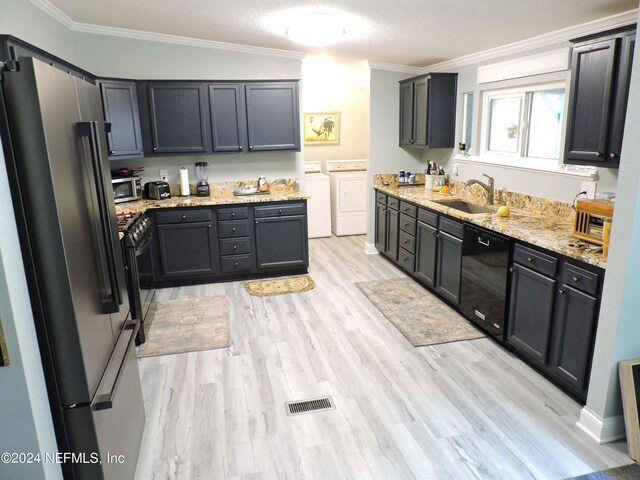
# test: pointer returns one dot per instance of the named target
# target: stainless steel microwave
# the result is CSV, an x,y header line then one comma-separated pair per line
x,y
126,189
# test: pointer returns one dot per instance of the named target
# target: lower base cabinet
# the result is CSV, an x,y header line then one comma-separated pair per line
x,y
553,315
554,300
205,244
281,242
186,243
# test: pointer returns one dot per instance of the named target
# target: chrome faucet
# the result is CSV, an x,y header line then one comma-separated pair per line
x,y
487,186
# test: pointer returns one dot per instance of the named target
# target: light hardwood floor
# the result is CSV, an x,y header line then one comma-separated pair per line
x,y
465,410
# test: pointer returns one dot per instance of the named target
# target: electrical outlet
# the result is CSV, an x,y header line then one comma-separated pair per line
x,y
163,174
590,188
456,169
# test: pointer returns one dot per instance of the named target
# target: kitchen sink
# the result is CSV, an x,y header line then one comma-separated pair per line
x,y
465,207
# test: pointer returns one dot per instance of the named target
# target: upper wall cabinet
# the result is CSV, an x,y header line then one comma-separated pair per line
x,y
175,118
228,118
600,75
219,117
120,105
254,116
273,119
428,110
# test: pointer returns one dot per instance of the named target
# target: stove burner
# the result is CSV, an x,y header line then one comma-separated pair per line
x,y
125,220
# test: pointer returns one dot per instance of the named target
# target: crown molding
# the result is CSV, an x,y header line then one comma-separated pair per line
x,y
395,67
547,39
65,20
184,41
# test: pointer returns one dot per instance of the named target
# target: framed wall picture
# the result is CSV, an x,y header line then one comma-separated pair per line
x,y
322,128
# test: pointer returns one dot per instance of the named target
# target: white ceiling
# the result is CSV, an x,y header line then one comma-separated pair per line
x,y
406,32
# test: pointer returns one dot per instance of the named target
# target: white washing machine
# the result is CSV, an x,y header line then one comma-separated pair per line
x,y
348,196
319,205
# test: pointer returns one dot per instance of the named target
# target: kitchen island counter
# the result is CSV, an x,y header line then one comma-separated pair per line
x,y
551,231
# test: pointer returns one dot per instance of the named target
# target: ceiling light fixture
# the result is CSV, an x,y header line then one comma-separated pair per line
x,y
316,29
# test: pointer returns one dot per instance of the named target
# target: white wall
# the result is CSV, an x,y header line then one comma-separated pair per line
x,y
25,416
24,20
619,328
335,85
385,155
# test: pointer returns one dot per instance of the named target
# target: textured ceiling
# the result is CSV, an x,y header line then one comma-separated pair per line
x,y
407,32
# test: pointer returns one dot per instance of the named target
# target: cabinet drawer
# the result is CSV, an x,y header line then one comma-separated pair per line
x,y
579,278
234,246
233,228
407,224
428,217
408,209
408,242
236,263
235,213
393,202
451,227
279,210
406,260
184,216
381,197
538,261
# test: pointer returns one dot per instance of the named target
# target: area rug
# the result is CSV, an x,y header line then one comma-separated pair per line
x,y
186,325
419,315
279,286
626,472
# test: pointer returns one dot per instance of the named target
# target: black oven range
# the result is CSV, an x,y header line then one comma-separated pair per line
x,y
136,244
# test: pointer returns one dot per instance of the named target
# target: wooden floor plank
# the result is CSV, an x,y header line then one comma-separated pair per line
x,y
464,410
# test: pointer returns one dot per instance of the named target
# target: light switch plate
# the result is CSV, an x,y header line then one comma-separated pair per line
x,y
163,174
590,188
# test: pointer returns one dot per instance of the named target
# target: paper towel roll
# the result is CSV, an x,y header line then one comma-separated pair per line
x,y
184,182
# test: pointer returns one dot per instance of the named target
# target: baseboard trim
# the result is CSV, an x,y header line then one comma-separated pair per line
x,y
370,249
602,430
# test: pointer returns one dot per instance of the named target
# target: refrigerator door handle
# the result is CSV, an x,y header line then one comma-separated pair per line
x,y
104,401
111,301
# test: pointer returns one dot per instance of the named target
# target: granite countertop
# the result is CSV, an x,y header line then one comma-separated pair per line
x,y
221,194
551,232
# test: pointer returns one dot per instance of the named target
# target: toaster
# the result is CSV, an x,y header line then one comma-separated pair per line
x,y
157,190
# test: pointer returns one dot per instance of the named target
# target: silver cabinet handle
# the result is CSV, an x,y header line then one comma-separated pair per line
x,y
530,259
561,291
612,155
576,279
482,243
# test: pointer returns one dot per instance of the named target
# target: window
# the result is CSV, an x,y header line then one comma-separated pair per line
x,y
524,122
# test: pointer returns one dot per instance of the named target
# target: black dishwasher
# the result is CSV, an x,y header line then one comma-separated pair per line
x,y
485,266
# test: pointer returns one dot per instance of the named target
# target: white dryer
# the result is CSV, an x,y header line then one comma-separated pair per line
x,y
348,196
319,205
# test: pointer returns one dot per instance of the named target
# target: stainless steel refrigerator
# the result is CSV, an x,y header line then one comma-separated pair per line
x,y
55,147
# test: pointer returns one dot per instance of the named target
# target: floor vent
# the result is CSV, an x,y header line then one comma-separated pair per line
x,y
308,406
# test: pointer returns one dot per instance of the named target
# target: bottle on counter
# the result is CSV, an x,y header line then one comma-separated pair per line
x,y
412,178
263,186
401,177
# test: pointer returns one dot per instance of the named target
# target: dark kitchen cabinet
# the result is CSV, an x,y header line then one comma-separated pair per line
x,y
228,117
427,110
531,313
575,317
600,76
553,315
387,225
449,266
177,117
120,106
186,243
281,236
273,116
426,248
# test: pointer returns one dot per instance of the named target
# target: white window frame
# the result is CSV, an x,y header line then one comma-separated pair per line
x,y
518,159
